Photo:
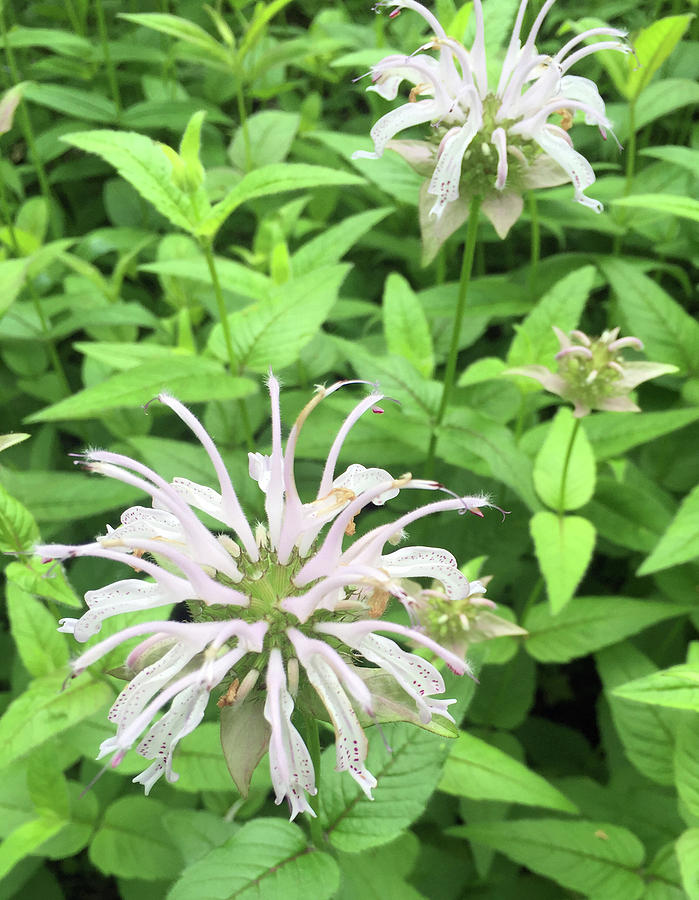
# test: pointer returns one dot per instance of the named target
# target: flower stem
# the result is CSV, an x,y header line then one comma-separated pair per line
x,y
630,171
535,241
450,371
564,473
111,71
243,116
233,363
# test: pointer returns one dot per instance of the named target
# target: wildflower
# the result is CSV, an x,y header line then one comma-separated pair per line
x,y
492,142
279,612
592,374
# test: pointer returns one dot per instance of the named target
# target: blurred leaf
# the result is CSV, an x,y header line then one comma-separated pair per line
x,y
612,434
405,325
71,101
563,546
270,132
652,46
669,204
687,849
41,648
675,687
233,276
18,530
332,243
26,839
183,30
679,543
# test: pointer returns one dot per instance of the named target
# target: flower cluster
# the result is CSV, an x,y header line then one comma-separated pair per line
x,y
490,142
592,373
282,616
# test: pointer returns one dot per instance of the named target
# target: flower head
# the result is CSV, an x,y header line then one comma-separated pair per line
x,y
592,373
280,613
490,141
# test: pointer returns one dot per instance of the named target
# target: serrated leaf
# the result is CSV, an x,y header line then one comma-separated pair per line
x,y
558,457
406,778
41,648
274,179
590,623
18,530
597,859
647,732
332,243
196,832
669,334
131,842
478,770
26,839
194,379
266,858
562,305
142,162
199,761
675,687
667,204
563,548
273,332
652,46
379,873
405,325
679,543
44,710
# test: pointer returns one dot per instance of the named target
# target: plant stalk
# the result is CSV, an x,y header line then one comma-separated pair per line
x,y
111,70
535,241
564,473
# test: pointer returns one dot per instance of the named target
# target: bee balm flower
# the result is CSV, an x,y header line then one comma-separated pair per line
x,y
490,141
279,612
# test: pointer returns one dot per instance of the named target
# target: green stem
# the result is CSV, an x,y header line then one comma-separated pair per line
x,y
233,364
111,70
28,131
243,115
450,371
535,241
630,158
74,18
564,473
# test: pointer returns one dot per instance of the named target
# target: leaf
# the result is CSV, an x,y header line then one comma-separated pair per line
x,y
85,105
41,648
142,162
266,858
131,842
679,543
405,325
332,243
43,580
684,157
589,623
647,732
44,710
200,763
652,46
18,530
563,548
675,687
597,859
270,134
379,873
194,379
406,777
270,180
670,335
558,457
686,762
667,204
612,435
562,305
183,30
274,331
195,832
478,770
687,849
233,276
26,839
244,740
628,513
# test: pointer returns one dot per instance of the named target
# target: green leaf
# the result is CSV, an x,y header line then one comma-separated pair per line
x,y
670,335
41,648
652,46
193,380
405,325
131,842
44,710
273,332
558,457
53,39
684,157
332,243
26,839
597,859
9,440
687,849
183,30
379,873
274,179
612,435
679,543
478,770
563,548
562,305
506,691
18,530
628,513
589,623
675,687
270,133
406,778
666,204
266,858
686,762
200,763
72,101
647,732
196,831
46,580
233,276
142,162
